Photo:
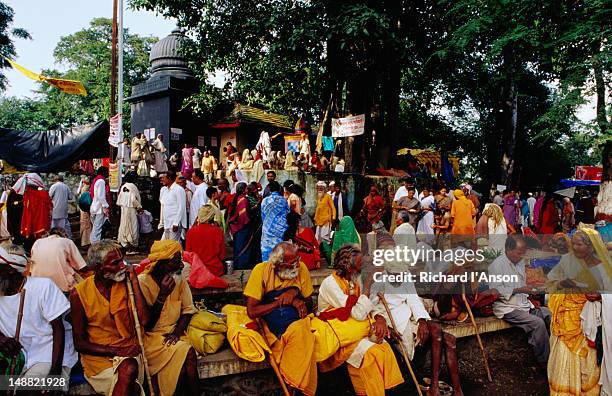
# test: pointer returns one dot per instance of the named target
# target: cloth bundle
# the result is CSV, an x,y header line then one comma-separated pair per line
x,y
243,336
206,332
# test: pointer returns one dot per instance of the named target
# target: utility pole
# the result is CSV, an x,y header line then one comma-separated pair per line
x,y
120,72
113,59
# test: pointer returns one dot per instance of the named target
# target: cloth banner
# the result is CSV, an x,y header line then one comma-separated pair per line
x,y
71,87
348,126
114,176
53,151
588,172
113,135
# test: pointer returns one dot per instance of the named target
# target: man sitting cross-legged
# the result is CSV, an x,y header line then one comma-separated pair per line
x,y
278,291
103,323
172,359
371,365
413,321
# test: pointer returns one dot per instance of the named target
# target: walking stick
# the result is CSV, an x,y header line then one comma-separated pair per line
x,y
18,328
381,296
273,362
482,350
139,335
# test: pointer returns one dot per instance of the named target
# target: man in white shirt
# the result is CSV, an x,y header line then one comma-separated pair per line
x,y
513,303
199,196
46,338
413,323
60,194
99,209
531,201
173,217
403,190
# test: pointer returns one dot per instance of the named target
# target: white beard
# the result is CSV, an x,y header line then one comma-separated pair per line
x,y
117,277
288,274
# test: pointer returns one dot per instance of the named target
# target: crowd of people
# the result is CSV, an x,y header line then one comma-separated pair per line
x,y
93,309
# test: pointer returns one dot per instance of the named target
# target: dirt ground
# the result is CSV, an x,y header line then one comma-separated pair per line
x,y
513,368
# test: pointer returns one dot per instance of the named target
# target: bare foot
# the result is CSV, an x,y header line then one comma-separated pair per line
x,y
433,391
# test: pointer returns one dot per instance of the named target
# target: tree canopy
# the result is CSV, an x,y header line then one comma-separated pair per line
x,y
86,56
7,34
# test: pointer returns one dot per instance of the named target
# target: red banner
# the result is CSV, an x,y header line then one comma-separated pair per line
x,y
585,172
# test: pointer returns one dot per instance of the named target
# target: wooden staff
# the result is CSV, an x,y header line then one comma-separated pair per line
x,y
381,296
482,350
272,361
139,335
22,293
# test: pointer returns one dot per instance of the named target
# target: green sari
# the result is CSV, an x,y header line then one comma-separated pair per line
x,y
346,233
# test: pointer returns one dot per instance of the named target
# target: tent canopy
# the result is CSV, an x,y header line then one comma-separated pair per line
x,y
579,183
53,151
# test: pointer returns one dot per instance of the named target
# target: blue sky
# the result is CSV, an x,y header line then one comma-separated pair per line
x,y
48,20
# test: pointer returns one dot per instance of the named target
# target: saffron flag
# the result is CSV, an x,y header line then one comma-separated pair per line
x,y
71,87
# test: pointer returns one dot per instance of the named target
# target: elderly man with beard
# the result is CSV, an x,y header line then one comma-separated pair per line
x,y
172,359
325,213
103,324
371,363
46,338
279,291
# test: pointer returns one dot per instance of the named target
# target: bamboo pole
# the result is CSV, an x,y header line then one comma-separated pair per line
x,y
473,320
139,335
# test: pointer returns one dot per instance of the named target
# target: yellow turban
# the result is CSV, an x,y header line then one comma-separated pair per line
x,y
162,250
206,214
458,193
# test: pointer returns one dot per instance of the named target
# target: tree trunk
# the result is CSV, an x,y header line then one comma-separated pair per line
x,y
600,88
508,156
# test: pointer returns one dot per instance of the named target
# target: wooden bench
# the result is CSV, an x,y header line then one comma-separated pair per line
x,y
226,362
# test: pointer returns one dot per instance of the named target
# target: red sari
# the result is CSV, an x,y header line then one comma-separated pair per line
x,y
36,217
550,218
308,248
374,207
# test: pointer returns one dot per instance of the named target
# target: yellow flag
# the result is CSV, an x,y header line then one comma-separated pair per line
x,y
71,87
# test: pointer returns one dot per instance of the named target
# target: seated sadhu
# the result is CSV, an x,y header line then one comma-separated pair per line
x,y
172,359
103,323
278,291
414,326
371,365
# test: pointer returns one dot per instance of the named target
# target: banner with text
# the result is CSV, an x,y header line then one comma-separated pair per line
x,y
589,172
348,126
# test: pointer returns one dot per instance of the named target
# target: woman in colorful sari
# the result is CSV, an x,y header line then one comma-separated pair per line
x,y
568,220
304,239
580,312
240,227
187,162
549,216
346,234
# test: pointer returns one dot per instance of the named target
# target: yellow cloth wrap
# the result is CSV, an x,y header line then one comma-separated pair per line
x,y
379,371
565,324
205,320
166,361
248,344
333,334
162,250
294,354
108,322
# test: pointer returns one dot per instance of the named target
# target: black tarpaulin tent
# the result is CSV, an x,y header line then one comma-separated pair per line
x,y
53,151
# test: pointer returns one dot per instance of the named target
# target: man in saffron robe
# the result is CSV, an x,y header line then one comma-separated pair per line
x,y
462,213
103,323
371,365
325,213
172,359
279,291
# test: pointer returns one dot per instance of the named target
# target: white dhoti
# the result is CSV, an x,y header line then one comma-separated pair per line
x,y
104,382
128,227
